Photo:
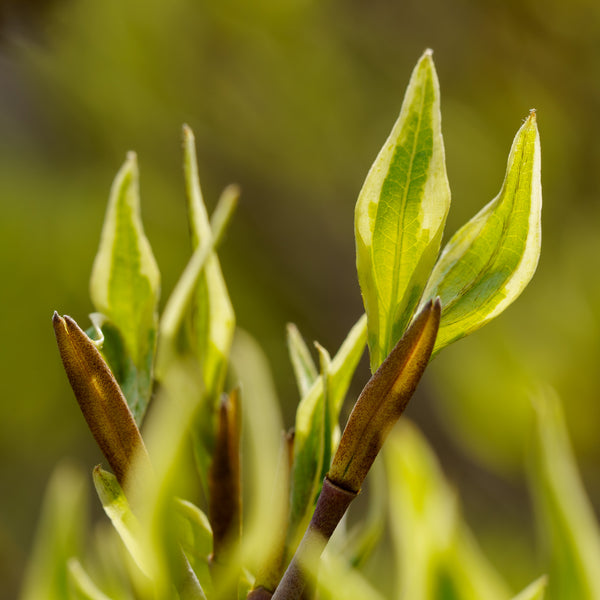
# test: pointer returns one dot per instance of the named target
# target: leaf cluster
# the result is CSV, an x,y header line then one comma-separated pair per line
x,y
266,499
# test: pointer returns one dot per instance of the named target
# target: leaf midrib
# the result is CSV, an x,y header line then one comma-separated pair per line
x,y
493,256
400,244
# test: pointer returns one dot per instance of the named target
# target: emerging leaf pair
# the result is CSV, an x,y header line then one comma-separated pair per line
x,y
415,303
399,222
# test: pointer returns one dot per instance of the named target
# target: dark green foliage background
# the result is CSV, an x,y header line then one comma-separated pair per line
x,y
292,100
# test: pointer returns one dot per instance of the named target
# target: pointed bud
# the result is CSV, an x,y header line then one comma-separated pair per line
x,y
100,399
224,478
384,399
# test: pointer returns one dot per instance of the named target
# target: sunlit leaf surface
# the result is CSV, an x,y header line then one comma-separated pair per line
x,y
125,282
489,261
566,517
534,591
59,536
212,320
401,212
436,555
196,540
117,508
304,367
307,464
81,585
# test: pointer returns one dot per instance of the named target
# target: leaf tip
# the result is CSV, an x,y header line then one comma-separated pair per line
x,y
188,134
531,120
60,327
128,173
98,475
232,191
427,58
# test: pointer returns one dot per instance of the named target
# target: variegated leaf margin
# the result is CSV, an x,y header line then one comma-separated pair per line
x,y
401,212
125,286
490,260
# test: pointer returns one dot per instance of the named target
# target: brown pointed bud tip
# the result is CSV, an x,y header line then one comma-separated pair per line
x,y
224,476
102,403
384,399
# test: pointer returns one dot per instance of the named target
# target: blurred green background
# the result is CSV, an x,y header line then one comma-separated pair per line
x,y
292,99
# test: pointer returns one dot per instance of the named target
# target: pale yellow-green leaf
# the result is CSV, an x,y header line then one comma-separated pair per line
x,y
59,536
328,417
167,435
182,297
212,319
534,591
489,261
81,585
565,514
338,581
401,212
125,283
198,321
306,466
114,569
195,537
117,509
312,464
436,555
265,506
304,367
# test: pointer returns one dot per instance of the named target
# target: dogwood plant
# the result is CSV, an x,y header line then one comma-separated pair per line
x,y
265,535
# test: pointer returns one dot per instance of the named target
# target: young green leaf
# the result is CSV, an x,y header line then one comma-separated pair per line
x,y
306,469
125,282
380,404
565,514
401,212
181,300
81,586
317,444
534,591
196,534
270,570
196,539
490,260
328,417
338,581
304,367
265,505
212,316
59,536
167,433
117,509
186,327
436,556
